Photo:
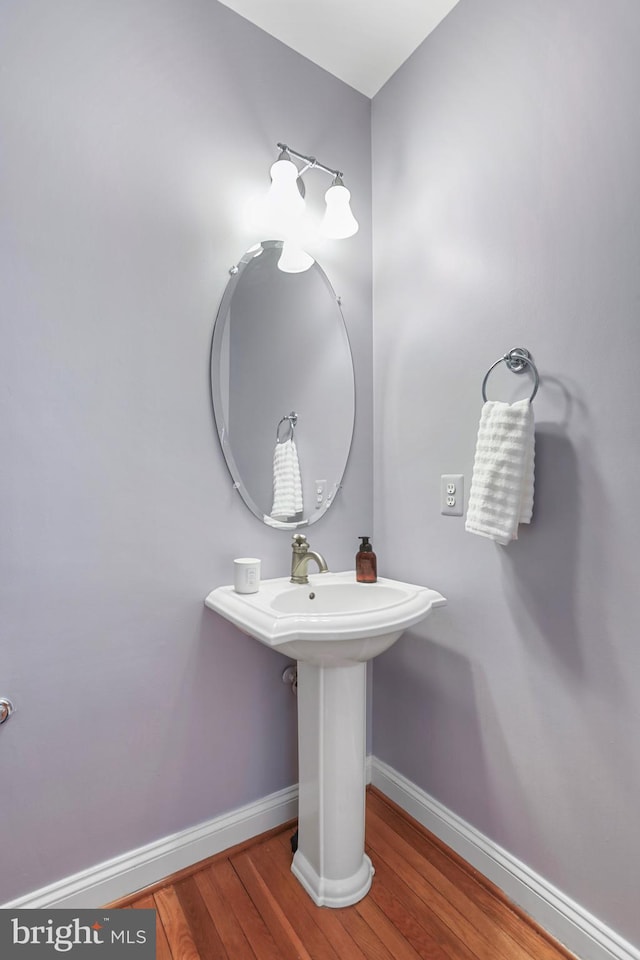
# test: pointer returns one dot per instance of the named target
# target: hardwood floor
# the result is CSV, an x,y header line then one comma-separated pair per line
x,y
425,902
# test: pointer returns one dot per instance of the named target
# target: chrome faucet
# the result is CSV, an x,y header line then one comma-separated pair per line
x,y
300,560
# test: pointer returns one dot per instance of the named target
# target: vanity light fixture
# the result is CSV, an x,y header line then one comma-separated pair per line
x,y
285,203
339,222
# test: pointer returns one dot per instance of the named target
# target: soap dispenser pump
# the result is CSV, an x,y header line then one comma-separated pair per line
x,y
366,563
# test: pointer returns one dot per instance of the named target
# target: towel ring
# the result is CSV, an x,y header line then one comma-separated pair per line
x,y
517,360
292,419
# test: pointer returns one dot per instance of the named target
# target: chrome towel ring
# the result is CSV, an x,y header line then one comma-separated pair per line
x,y
517,360
291,419
6,709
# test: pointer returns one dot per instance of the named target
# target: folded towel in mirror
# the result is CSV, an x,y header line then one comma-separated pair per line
x,y
287,483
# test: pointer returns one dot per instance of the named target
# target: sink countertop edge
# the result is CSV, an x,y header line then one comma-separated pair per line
x,y
274,630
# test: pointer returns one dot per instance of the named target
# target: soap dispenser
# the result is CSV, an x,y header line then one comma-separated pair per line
x,y
366,563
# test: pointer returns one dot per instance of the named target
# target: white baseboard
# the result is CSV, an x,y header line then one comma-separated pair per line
x,y
139,868
581,932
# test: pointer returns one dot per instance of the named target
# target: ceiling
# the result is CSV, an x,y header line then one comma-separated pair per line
x,y
362,42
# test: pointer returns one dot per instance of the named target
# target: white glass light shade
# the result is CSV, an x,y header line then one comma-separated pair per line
x,y
338,222
294,259
284,204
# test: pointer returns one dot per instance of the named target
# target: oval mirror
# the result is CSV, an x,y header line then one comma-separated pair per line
x,y
282,387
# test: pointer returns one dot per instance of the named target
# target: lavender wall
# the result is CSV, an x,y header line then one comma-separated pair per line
x,y
133,133
506,213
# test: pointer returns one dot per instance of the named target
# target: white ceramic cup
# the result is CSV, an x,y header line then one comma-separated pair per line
x,y
246,575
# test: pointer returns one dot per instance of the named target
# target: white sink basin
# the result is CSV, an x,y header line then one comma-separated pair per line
x,y
332,620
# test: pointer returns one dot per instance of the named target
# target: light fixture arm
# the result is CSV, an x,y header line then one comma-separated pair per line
x,y
310,162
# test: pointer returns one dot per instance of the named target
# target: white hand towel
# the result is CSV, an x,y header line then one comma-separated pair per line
x,y
287,483
501,493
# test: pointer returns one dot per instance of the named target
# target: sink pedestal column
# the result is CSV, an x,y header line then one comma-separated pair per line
x,y
330,861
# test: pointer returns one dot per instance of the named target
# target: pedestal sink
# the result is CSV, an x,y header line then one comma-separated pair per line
x,y
331,626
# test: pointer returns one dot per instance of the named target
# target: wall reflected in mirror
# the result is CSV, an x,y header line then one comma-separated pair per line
x,y
280,348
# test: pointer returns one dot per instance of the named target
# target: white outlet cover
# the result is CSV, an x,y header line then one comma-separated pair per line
x,y
452,494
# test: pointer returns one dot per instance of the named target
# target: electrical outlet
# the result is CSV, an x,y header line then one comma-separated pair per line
x,y
452,494
321,488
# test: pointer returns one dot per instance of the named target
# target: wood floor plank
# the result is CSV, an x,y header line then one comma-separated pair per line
x,y
143,903
458,911
492,902
230,931
176,927
394,943
413,918
201,925
244,910
367,937
284,935
147,902
163,950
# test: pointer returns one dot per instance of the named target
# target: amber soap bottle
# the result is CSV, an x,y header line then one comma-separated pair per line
x,y
366,563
